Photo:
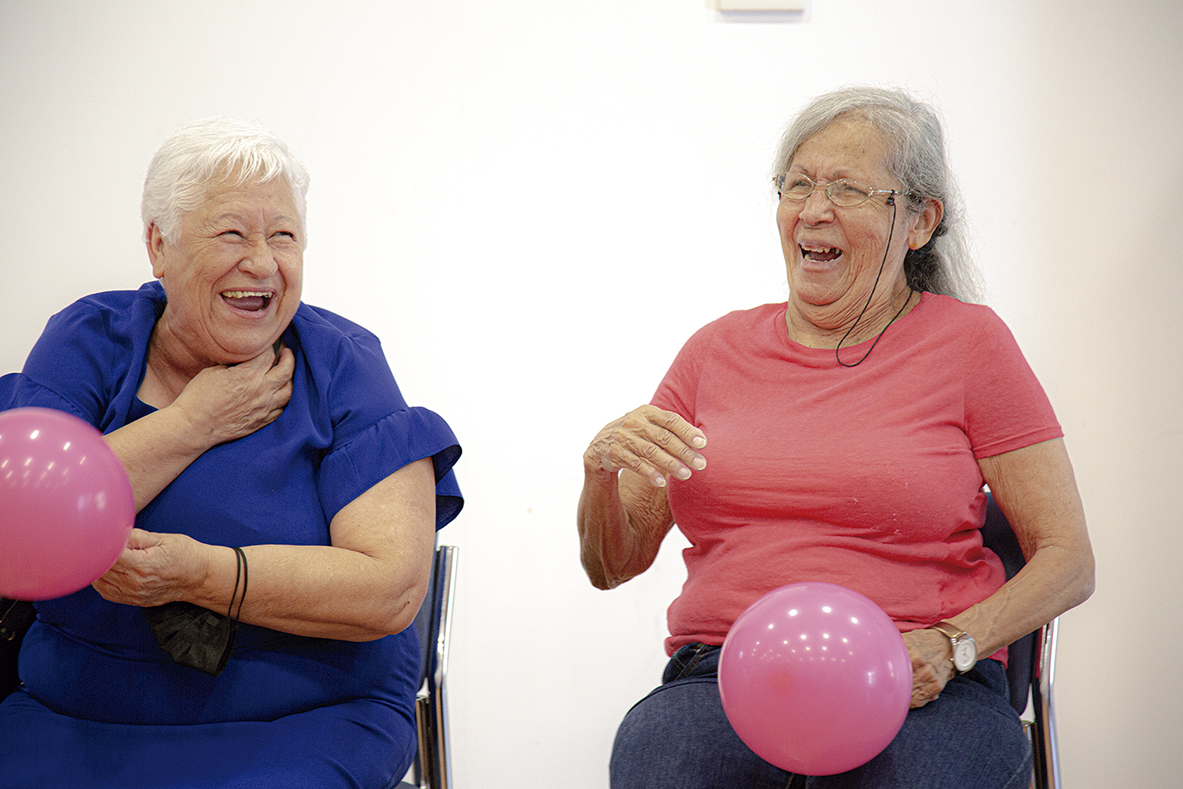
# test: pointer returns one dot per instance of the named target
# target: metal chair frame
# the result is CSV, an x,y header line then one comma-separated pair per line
x,y
1032,664
1042,729
433,761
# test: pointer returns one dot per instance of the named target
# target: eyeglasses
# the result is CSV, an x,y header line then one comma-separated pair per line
x,y
843,193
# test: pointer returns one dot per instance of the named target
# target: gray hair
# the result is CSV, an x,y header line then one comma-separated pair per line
x,y
202,152
916,156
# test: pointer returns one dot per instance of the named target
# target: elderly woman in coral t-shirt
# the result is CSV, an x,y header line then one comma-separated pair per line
x,y
846,436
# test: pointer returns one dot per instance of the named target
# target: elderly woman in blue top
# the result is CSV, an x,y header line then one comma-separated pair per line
x,y
275,464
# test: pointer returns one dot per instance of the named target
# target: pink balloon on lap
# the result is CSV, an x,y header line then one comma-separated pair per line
x,y
66,505
815,678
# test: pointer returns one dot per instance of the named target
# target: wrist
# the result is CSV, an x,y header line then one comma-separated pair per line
x,y
963,648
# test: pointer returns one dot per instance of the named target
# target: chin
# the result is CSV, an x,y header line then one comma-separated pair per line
x,y
238,353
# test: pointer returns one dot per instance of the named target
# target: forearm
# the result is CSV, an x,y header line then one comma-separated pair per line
x,y
368,583
217,405
614,544
155,449
317,591
602,523
1036,489
1056,579
624,511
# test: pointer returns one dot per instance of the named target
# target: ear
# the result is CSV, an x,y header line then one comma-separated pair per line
x,y
156,250
926,223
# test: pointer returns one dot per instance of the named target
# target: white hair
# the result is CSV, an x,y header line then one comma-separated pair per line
x,y
916,155
203,152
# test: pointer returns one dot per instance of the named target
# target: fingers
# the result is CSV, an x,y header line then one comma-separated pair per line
x,y
284,367
651,442
931,667
150,571
235,401
140,539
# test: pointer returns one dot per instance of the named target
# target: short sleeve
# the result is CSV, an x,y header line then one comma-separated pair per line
x,y
374,431
18,390
678,390
1006,408
395,441
85,362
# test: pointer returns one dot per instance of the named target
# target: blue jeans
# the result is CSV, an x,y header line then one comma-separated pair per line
x,y
678,737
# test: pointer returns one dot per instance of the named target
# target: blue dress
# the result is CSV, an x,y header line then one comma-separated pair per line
x,y
102,705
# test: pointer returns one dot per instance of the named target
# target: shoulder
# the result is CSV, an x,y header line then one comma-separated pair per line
x,y
329,323
746,325
117,319
947,308
122,310
748,319
344,362
740,333
93,350
328,337
959,321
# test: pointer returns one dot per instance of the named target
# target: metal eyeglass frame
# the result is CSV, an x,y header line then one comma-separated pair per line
x,y
871,192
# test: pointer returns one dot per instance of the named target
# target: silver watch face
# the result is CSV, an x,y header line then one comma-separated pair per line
x,y
965,654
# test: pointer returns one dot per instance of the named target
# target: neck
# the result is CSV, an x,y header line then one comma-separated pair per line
x,y
825,326
170,367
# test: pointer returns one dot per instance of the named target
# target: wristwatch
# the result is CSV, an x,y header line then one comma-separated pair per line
x,y
965,649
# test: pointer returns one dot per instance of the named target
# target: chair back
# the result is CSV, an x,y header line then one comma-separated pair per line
x,y
998,536
1031,663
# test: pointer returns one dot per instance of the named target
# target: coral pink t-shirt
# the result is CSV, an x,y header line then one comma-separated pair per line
x,y
865,476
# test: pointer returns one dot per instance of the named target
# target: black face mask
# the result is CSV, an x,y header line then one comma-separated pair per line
x,y
197,637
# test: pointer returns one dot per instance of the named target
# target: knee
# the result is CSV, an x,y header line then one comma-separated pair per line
x,y
678,737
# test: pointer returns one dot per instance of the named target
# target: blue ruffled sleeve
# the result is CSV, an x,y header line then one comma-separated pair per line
x,y
374,431
395,441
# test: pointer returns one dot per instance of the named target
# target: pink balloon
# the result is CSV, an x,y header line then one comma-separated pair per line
x,y
815,678
66,505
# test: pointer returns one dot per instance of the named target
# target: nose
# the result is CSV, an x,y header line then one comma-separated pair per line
x,y
817,207
259,260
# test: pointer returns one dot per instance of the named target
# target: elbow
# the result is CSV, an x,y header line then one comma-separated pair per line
x,y
396,615
399,622
599,572
1087,579
599,575
1080,582
605,583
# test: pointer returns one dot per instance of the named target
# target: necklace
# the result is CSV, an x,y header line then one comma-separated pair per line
x,y
870,296
907,301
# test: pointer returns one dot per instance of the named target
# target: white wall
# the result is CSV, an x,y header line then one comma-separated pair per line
x,y
534,203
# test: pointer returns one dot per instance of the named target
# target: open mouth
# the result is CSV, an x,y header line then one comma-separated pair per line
x,y
248,300
819,254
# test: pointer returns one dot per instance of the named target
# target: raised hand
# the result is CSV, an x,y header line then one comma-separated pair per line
x,y
651,442
229,402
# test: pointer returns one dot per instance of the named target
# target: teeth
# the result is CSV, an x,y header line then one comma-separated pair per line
x,y
245,294
820,252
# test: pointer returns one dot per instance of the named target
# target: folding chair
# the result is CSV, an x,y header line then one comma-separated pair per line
x,y
433,766
1032,661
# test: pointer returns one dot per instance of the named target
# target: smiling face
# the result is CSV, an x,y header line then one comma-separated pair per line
x,y
832,254
233,275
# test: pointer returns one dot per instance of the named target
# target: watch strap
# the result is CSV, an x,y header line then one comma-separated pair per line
x,y
949,630
955,635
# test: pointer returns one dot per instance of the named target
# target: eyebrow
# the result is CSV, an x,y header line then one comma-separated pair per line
x,y
812,173
239,217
